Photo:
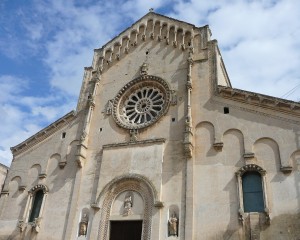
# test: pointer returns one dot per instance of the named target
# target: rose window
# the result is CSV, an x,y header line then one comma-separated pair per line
x,y
141,102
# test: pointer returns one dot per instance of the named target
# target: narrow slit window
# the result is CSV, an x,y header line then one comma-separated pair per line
x,y
226,110
63,135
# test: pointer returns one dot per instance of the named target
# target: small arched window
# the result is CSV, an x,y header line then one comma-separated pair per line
x,y
36,205
253,198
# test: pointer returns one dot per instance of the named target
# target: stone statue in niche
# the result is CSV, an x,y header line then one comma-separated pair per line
x,y
108,107
133,135
144,69
128,203
173,225
83,225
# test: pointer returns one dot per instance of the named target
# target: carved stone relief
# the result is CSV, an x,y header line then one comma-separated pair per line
x,y
141,102
130,185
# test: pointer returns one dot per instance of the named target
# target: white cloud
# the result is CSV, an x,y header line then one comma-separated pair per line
x,y
22,116
259,42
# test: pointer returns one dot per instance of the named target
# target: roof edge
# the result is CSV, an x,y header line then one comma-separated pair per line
x,y
262,100
44,133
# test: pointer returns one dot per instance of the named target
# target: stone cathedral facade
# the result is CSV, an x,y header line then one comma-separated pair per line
x,y
160,147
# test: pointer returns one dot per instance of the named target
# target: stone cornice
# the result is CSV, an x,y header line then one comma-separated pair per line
x,y
141,142
43,134
261,100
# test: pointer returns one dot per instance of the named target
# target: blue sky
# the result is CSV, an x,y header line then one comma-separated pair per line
x,y
44,46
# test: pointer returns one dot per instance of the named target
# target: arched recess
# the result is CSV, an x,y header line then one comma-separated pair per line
x,y
295,160
234,147
14,185
135,183
204,138
33,174
267,154
72,149
53,163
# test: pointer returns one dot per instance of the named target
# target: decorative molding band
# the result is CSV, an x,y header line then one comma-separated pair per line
x,y
141,142
117,186
43,134
250,167
38,187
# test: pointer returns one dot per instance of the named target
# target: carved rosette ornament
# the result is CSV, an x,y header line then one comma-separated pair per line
x,y
141,102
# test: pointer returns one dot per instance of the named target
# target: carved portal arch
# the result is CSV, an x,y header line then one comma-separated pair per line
x,y
135,183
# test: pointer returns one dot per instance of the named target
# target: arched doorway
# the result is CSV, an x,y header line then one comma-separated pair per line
x,y
126,209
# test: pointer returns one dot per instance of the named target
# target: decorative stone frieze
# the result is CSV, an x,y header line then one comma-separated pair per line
x,y
262,100
250,167
126,183
38,187
21,225
138,142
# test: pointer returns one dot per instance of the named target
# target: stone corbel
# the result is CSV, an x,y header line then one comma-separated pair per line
x,y
22,188
81,155
218,146
62,164
183,46
248,155
42,175
95,206
152,35
21,225
36,224
241,216
286,169
4,192
158,204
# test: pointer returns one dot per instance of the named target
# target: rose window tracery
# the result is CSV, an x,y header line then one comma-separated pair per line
x,y
141,102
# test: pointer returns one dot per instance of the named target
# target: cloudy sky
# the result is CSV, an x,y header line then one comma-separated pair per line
x,y
44,46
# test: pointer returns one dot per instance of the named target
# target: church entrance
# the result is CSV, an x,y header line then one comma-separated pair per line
x,y
126,230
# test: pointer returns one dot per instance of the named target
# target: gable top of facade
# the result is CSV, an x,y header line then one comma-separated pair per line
x,y
227,92
155,18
